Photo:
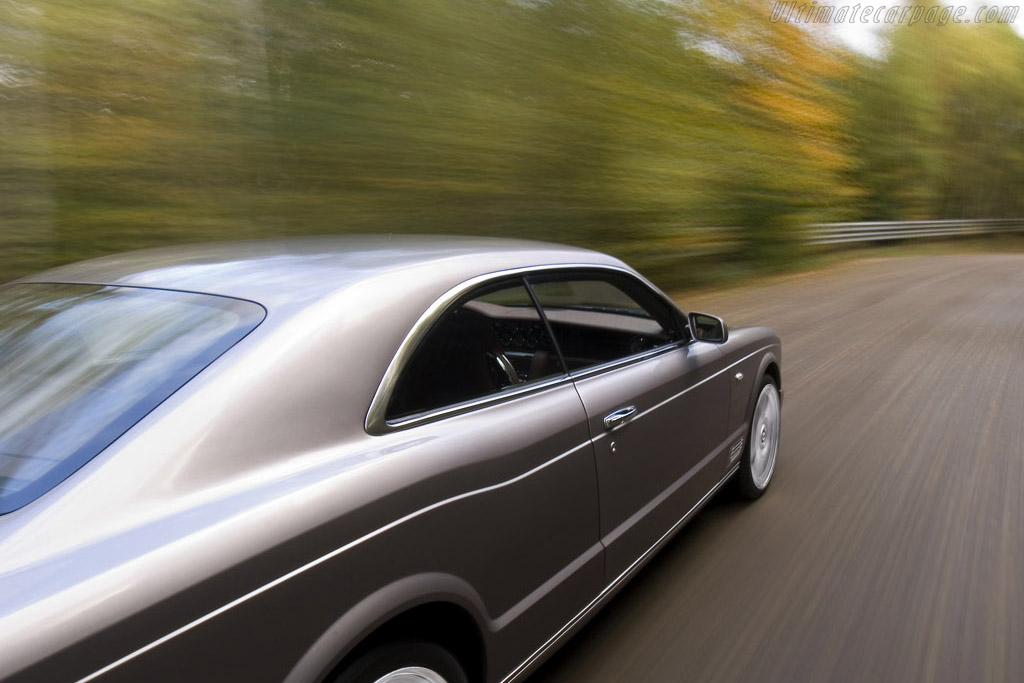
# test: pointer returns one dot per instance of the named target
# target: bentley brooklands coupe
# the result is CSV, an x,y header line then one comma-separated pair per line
x,y
353,459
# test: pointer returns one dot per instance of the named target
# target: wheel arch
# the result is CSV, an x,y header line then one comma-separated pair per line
x,y
772,370
769,366
436,608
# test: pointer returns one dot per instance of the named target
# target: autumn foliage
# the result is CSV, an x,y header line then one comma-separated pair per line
x,y
665,131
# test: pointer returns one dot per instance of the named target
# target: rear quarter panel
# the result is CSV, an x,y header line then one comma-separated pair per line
x,y
277,580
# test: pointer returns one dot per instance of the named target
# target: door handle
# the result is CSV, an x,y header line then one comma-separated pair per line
x,y
619,417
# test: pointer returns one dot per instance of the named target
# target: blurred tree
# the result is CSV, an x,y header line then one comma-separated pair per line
x,y
983,124
938,124
897,125
630,125
782,127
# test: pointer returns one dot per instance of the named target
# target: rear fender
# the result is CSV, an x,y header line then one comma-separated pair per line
x,y
374,611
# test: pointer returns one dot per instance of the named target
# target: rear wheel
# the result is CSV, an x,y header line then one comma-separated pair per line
x,y
758,464
404,662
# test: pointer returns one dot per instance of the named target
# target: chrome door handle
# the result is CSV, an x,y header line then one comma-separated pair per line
x,y
619,417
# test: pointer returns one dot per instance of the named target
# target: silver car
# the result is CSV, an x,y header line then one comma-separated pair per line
x,y
351,460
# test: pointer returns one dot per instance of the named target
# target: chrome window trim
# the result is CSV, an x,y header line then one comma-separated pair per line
x,y
376,422
474,404
607,366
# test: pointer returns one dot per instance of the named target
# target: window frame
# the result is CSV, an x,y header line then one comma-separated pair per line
x,y
671,309
376,422
481,289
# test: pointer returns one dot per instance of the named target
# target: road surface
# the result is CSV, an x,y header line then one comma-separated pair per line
x,y
891,544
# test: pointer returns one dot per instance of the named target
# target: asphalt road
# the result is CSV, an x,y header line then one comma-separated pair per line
x,y
891,544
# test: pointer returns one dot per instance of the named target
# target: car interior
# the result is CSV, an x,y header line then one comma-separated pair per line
x,y
498,340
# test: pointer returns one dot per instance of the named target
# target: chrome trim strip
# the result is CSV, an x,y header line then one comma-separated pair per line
x,y
688,389
592,370
376,423
708,378
630,522
544,589
612,587
466,406
324,558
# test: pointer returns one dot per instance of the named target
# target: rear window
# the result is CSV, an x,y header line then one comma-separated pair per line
x,y
80,364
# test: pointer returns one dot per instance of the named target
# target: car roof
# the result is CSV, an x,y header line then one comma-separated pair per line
x,y
288,271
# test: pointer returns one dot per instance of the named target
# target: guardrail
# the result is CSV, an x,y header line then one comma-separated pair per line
x,y
839,233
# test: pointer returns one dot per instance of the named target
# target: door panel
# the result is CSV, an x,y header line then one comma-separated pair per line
x,y
656,406
655,466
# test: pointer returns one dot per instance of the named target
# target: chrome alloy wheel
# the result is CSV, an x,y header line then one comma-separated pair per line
x,y
412,674
764,437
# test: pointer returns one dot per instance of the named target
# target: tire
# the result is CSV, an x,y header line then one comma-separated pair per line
x,y
413,661
758,464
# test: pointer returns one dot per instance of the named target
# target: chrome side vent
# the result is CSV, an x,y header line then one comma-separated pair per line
x,y
735,451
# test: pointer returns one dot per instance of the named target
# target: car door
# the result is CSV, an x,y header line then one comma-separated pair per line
x,y
499,426
656,411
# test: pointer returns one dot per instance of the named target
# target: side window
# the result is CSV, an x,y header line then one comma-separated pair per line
x,y
492,340
602,317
